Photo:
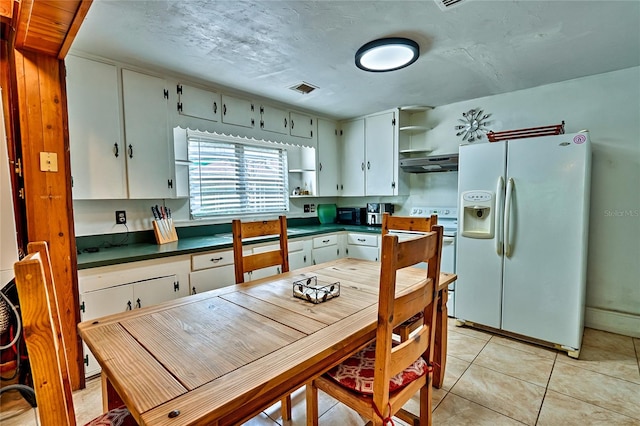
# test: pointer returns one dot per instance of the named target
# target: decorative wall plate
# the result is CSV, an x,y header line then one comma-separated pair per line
x,y
473,128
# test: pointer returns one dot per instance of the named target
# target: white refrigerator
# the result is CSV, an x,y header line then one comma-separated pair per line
x,y
522,238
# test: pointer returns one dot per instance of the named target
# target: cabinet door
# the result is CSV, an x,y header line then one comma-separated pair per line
x,y
96,304
362,252
96,148
154,291
301,125
238,112
381,154
274,119
328,169
198,103
325,254
212,278
148,153
352,159
299,254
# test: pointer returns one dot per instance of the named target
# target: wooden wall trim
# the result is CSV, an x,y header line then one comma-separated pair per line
x,y
49,26
23,20
81,13
43,125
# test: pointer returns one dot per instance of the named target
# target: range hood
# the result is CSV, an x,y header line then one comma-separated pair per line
x,y
430,164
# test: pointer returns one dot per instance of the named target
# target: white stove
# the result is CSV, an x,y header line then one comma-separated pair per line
x,y
448,218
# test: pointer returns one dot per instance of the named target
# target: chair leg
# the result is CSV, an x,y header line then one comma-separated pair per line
x,y
426,395
285,407
312,404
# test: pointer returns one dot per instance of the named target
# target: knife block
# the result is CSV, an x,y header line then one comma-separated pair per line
x,y
165,231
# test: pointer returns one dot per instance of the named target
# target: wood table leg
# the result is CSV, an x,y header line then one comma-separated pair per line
x,y
440,355
110,398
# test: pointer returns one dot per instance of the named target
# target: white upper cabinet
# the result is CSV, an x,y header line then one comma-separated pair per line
x,y
198,103
301,125
381,154
98,165
352,158
274,119
369,159
148,153
236,111
328,168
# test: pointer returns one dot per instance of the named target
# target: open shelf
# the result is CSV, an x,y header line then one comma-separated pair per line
x,y
301,170
412,130
416,108
415,151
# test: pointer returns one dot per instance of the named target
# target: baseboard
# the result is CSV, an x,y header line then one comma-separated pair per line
x,y
614,322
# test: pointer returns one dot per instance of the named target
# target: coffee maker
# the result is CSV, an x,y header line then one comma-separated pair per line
x,y
375,212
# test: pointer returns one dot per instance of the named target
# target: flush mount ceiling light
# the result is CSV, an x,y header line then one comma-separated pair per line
x,y
387,54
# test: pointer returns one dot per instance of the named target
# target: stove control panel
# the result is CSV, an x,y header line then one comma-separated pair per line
x,y
442,212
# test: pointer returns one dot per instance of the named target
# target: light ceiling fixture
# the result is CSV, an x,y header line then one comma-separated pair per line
x,y
387,54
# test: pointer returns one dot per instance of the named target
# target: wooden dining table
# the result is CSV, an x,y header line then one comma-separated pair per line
x,y
220,357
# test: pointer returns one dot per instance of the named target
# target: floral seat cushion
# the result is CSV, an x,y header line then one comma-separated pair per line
x,y
356,372
117,417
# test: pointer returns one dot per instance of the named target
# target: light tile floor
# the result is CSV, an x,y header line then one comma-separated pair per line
x,y
490,380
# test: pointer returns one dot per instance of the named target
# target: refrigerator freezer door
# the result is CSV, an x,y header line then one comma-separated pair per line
x,y
478,265
544,275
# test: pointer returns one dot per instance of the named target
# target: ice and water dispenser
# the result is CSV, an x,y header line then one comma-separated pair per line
x,y
478,214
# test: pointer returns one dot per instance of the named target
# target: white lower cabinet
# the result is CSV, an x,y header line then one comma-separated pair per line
x,y
211,270
111,289
326,248
299,253
363,246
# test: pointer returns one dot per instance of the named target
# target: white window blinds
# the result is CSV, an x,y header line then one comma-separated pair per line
x,y
232,178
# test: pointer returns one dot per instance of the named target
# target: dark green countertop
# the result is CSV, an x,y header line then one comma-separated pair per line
x,y
144,250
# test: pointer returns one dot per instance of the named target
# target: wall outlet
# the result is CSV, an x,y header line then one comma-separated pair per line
x,y
121,217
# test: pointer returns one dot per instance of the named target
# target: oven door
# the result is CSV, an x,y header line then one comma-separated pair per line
x,y
448,264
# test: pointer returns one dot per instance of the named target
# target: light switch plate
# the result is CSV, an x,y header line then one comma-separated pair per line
x,y
48,162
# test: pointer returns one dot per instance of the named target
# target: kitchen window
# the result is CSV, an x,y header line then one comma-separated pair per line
x,y
228,177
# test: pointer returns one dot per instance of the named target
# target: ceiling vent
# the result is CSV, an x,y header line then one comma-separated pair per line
x,y
304,88
449,4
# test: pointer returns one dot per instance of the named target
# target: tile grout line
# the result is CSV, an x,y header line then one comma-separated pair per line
x,y
546,388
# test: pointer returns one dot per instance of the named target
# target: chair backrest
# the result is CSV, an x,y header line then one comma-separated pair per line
x,y
46,348
407,223
394,309
255,261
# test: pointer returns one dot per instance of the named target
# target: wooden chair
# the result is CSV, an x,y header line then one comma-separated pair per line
x,y
242,231
410,224
255,261
378,380
45,346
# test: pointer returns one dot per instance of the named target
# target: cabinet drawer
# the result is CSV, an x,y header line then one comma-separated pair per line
x,y
325,240
295,246
363,240
211,260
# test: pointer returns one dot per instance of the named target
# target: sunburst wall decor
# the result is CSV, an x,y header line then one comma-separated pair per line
x,y
473,128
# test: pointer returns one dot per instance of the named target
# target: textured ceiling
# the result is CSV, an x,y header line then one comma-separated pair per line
x,y
477,49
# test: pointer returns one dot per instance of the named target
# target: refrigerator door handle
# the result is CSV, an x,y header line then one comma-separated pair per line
x,y
498,207
507,216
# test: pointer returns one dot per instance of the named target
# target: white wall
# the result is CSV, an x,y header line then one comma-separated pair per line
x,y
608,105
